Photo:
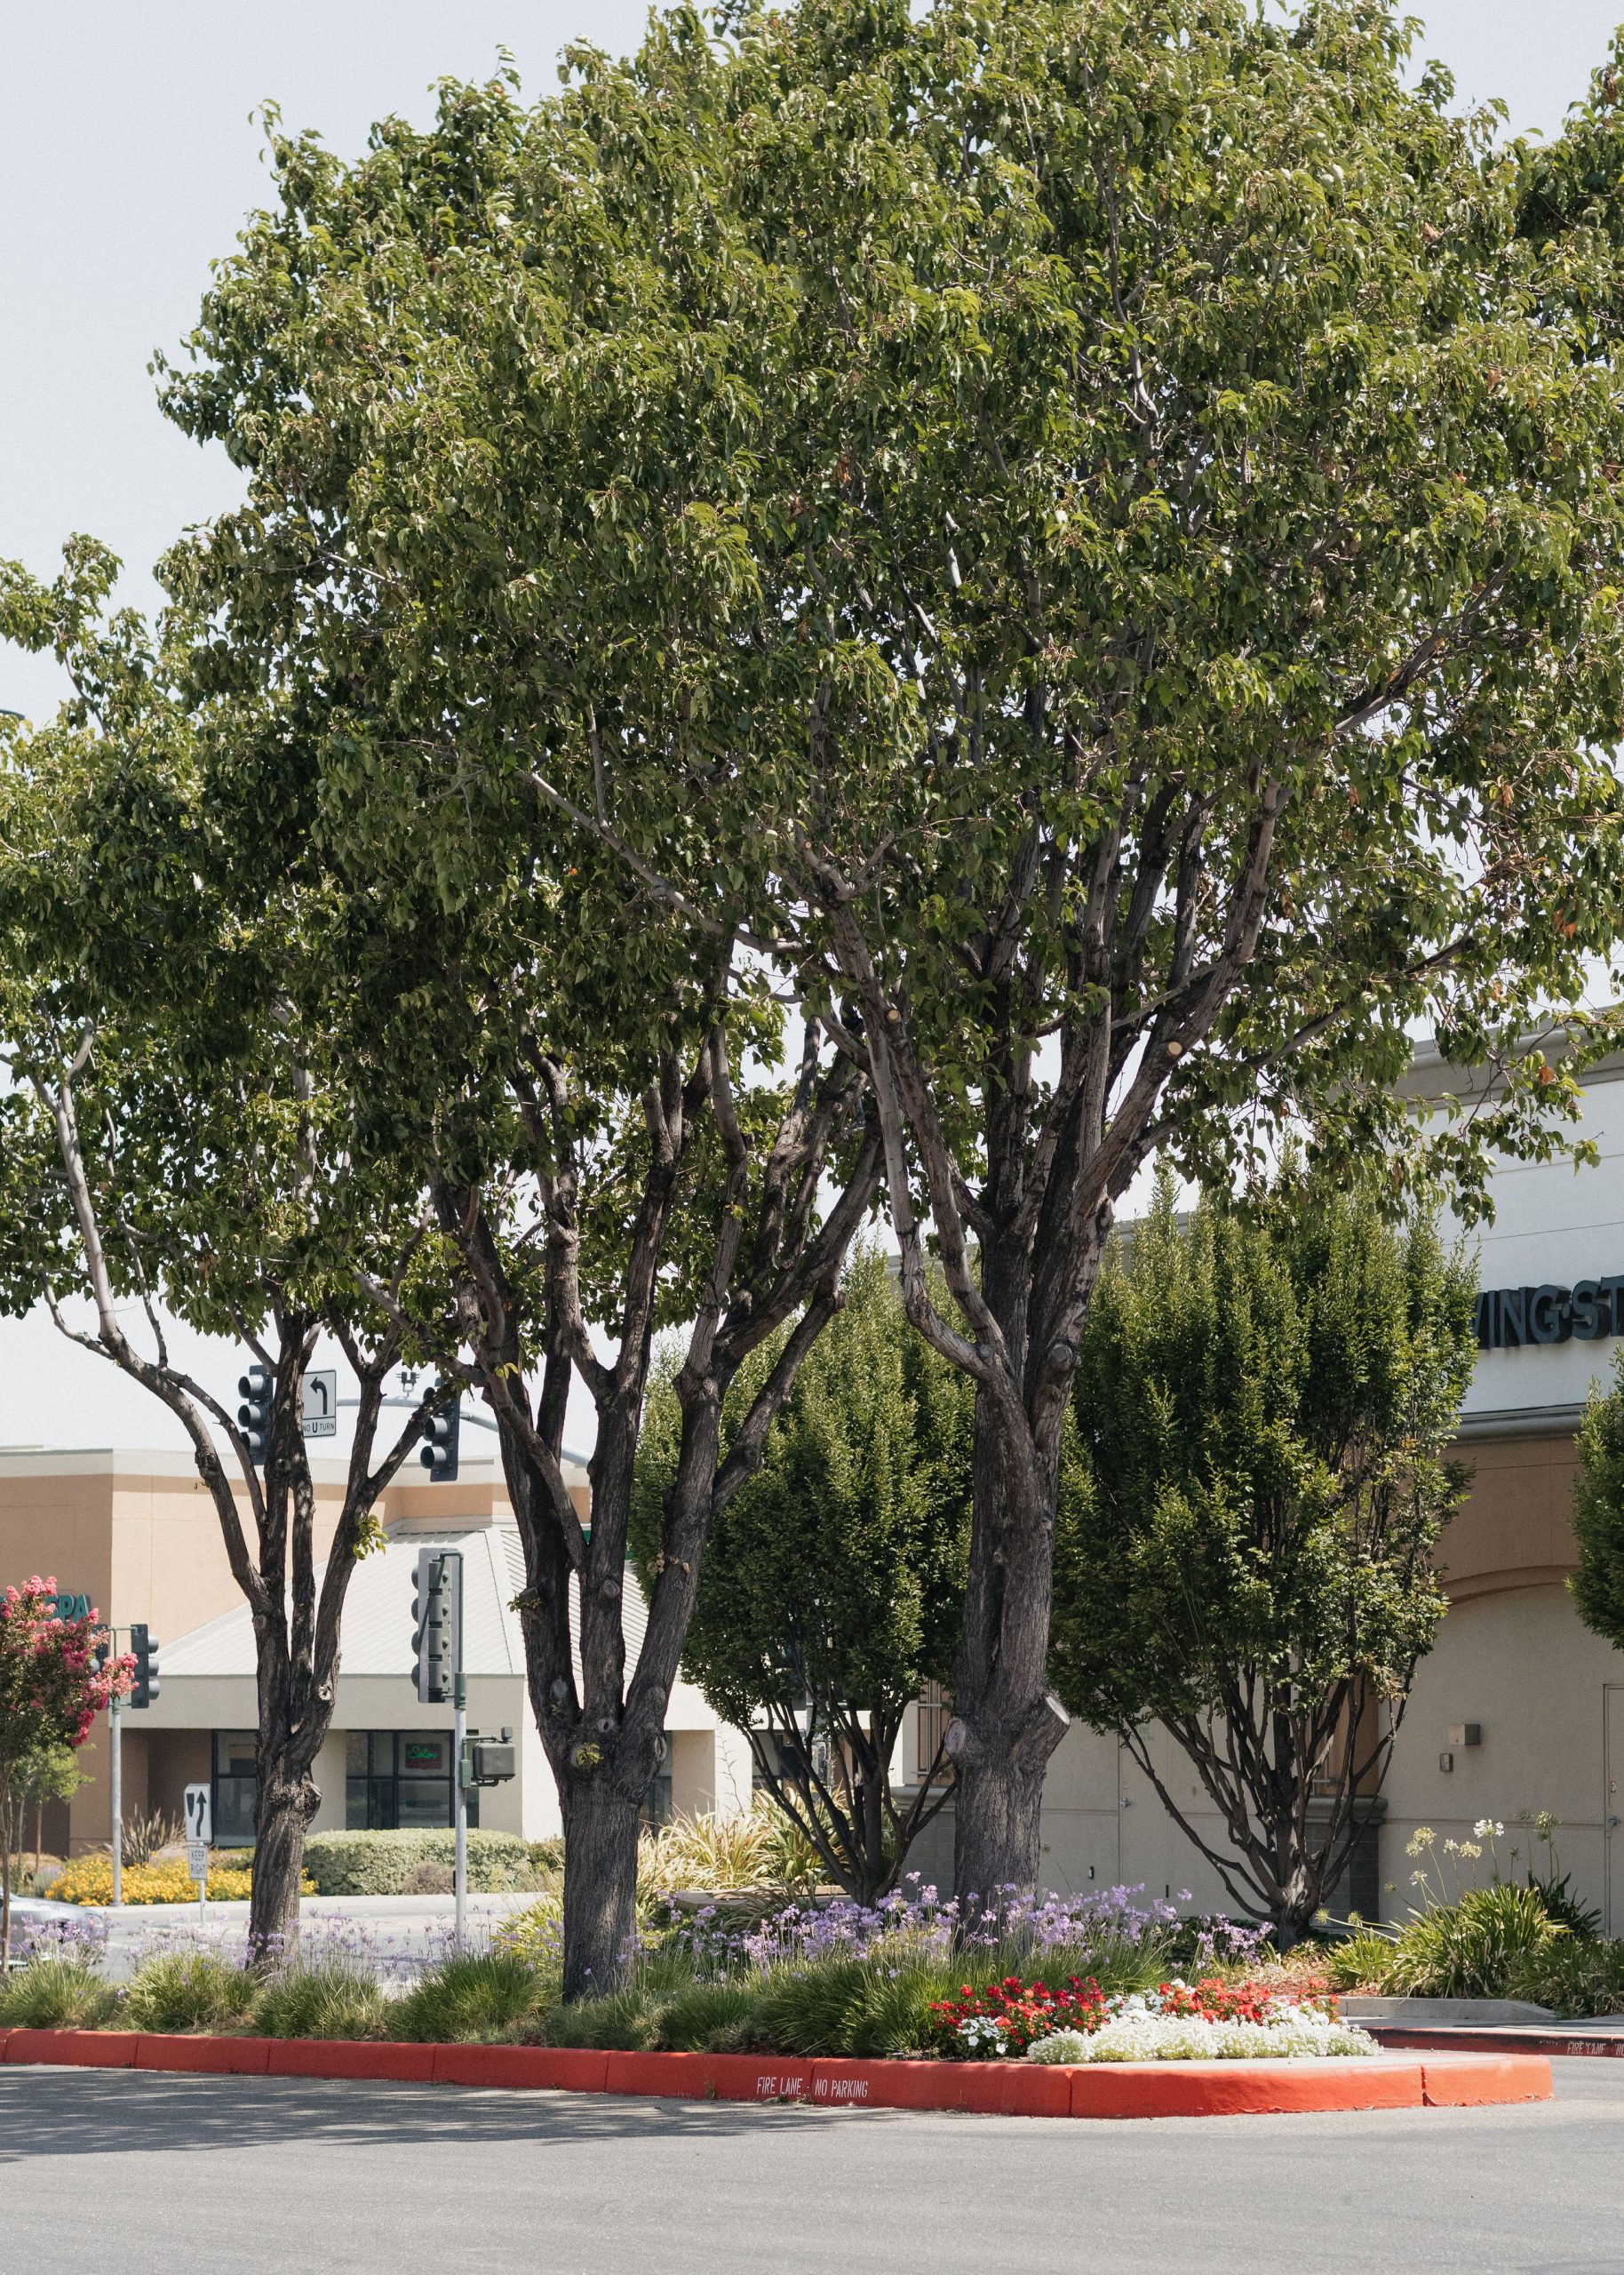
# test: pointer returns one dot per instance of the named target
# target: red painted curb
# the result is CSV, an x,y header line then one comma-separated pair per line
x,y
78,2049
244,2058
1243,2089
1576,2040
1115,2089
555,2067
1472,2080
352,2057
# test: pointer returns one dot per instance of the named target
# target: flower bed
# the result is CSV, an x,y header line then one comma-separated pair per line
x,y
89,1879
1172,2022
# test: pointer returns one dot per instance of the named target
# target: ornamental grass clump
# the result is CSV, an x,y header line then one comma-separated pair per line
x,y
471,1996
58,1993
328,1996
190,1989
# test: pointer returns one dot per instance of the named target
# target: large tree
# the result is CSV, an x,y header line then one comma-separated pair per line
x,y
617,1127
834,1581
178,1143
1247,1540
1086,537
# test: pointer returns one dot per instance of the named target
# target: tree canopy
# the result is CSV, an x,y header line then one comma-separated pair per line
x,y
1078,543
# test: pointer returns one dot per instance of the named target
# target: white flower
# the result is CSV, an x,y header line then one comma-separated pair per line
x,y
1487,1829
1299,2032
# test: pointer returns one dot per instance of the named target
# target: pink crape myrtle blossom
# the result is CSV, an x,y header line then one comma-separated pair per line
x,y
56,1676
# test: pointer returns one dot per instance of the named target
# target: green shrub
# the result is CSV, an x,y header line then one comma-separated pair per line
x,y
757,1847
1359,1962
1573,1975
58,1994
475,1995
1473,1948
535,1935
624,2021
189,1990
329,1998
710,2018
382,1864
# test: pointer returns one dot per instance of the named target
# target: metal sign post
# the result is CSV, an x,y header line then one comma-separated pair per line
x,y
197,1807
459,1717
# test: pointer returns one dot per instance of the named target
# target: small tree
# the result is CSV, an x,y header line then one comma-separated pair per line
x,y
178,1139
1247,1533
51,1773
51,1692
1597,1586
834,1581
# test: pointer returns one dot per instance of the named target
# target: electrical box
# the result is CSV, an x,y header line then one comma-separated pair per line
x,y
1466,1733
489,1761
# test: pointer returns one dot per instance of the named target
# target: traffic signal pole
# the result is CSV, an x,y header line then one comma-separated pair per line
x,y
459,1701
115,1738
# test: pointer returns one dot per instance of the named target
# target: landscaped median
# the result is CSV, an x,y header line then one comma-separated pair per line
x,y
988,2088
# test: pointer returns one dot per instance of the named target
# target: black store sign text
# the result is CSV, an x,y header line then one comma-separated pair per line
x,y
1509,1317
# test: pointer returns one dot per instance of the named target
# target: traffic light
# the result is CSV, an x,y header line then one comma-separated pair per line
x,y
436,1612
254,1415
144,1647
439,1454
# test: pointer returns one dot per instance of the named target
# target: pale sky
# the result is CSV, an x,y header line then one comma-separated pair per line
x,y
128,158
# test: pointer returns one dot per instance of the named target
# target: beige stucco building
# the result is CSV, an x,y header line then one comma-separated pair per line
x,y
136,1534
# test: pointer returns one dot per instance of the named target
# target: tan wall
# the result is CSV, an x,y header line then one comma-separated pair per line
x,y
1519,1663
59,1527
1515,1529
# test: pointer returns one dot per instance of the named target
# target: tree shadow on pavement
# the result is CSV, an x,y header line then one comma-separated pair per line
x,y
46,2112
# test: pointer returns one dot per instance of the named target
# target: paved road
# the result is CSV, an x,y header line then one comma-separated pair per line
x,y
241,2176
395,1932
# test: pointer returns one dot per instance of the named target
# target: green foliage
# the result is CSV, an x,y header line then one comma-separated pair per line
x,y
1360,1961
472,1996
1256,1493
58,1994
381,1863
189,1990
1598,1585
749,1848
835,1575
1475,1947
327,1997
1575,1976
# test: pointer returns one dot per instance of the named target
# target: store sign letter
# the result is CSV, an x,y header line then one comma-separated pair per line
x,y
1509,1317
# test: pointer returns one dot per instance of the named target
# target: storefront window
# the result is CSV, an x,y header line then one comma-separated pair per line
x,y
398,1779
235,1756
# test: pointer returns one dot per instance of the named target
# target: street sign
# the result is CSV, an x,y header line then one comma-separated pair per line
x,y
197,1808
197,1861
320,1403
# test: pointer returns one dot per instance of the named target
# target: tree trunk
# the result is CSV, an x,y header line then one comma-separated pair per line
x,y
601,1829
5,1881
1006,1721
284,1803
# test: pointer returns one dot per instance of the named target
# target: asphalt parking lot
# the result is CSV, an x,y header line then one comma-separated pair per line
x,y
169,2175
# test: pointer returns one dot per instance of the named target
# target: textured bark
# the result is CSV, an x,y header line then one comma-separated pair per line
x,y
601,1829
1006,1721
285,1801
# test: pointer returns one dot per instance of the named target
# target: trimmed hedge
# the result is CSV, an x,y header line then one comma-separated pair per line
x,y
383,1863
